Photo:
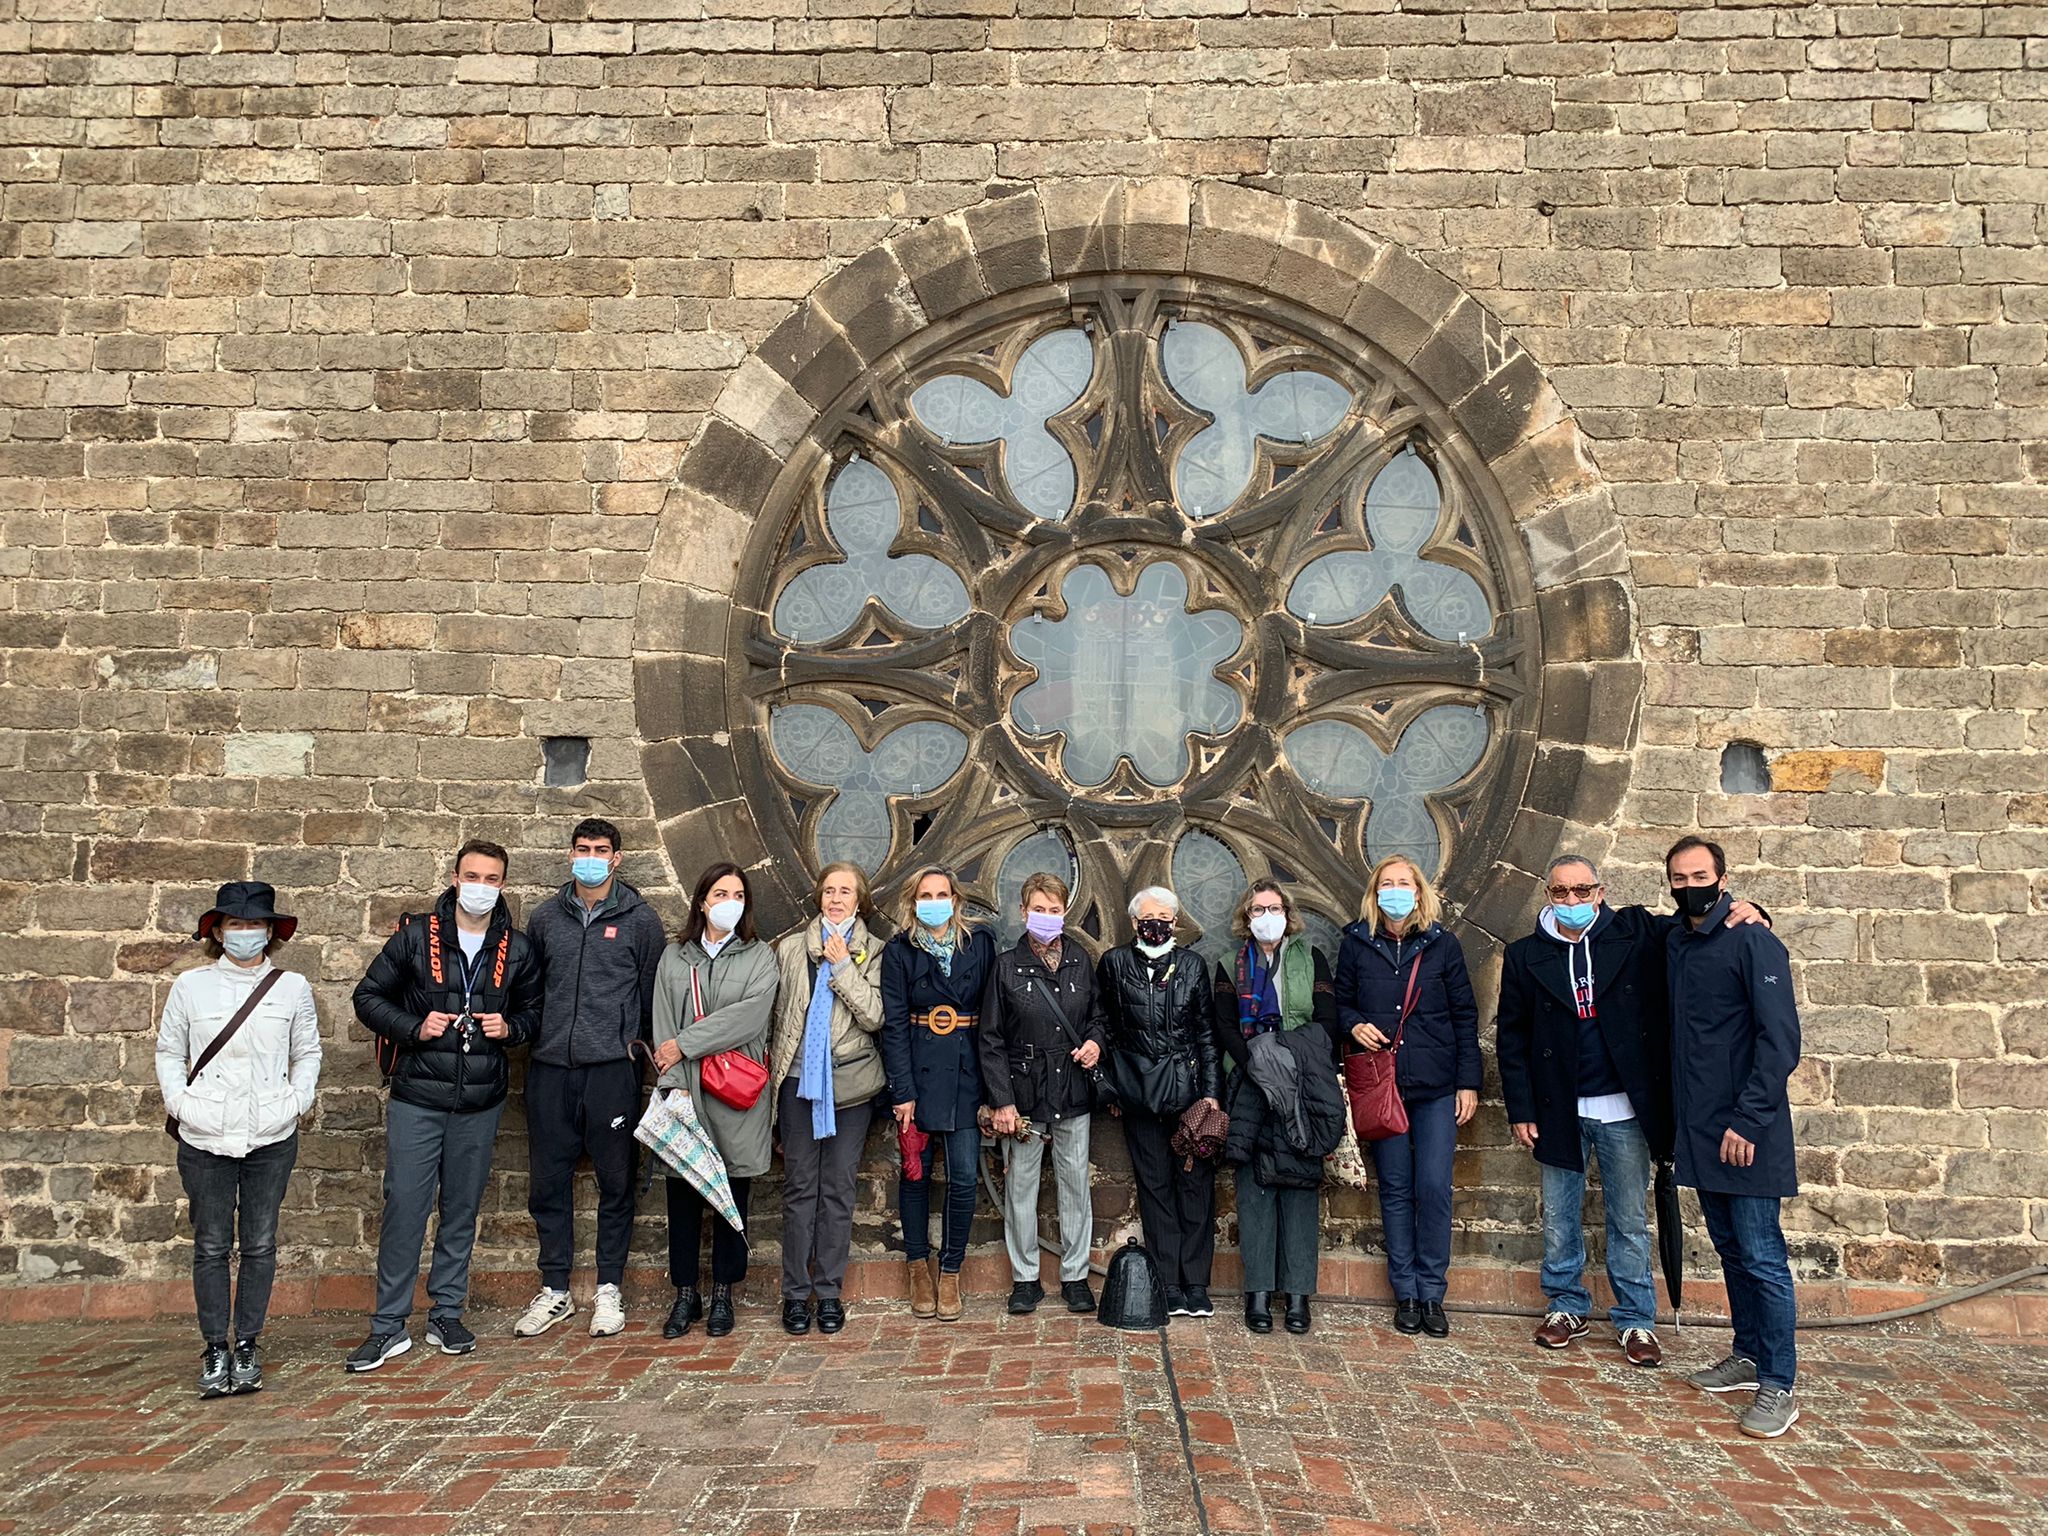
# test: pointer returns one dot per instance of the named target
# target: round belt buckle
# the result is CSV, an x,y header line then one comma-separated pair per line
x,y
943,1020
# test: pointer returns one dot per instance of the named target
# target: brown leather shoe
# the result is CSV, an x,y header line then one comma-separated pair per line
x,y
1641,1347
924,1295
1559,1329
949,1297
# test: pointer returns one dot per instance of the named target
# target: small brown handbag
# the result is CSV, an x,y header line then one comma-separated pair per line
x,y
1377,1112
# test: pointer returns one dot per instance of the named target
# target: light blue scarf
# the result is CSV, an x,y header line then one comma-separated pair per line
x,y
815,1081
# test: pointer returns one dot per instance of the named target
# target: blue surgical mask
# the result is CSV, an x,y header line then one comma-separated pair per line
x,y
1575,916
1396,901
245,943
590,872
935,911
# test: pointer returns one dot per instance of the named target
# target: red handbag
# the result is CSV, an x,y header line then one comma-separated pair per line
x,y
1376,1108
732,1077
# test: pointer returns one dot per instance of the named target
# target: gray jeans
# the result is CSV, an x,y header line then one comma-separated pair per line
x,y
1277,1236
817,1195
426,1150
1021,1163
235,1199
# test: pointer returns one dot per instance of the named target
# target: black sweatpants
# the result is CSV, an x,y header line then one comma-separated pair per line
x,y
1177,1205
571,1111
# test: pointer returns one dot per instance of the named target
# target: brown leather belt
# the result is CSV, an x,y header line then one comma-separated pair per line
x,y
943,1020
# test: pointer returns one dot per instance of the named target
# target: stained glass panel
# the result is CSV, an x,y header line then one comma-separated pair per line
x,y
819,748
865,516
1050,376
1205,369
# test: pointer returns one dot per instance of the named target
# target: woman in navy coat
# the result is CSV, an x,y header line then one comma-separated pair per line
x,y
933,974
1396,943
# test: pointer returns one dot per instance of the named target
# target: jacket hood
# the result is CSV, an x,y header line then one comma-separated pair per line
x,y
622,893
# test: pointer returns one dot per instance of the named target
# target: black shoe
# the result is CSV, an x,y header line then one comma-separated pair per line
x,y
1434,1323
1025,1296
216,1371
1297,1314
246,1370
718,1321
1176,1301
1258,1311
1407,1316
796,1318
1077,1296
688,1308
831,1314
449,1336
1199,1304
371,1354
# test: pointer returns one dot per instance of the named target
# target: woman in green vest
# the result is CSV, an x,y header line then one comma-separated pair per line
x,y
1274,980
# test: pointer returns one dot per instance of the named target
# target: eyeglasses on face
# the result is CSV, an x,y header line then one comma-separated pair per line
x,y
1575,892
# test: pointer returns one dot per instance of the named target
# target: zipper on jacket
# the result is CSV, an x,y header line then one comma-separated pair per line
x,y
576,1013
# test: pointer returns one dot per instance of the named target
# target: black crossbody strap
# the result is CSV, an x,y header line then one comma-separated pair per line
x,y
213,1046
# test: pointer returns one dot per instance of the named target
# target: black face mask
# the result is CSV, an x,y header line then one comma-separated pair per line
x,y
1695,900
1155,930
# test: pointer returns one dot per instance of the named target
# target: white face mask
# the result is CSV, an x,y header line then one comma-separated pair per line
x,y
245,943
725,915
1267,927
476,898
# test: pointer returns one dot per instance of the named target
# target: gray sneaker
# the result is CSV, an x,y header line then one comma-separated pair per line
x,y
1771,1414
1735,1374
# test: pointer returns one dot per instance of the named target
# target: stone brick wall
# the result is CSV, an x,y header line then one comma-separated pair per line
x,y
350,353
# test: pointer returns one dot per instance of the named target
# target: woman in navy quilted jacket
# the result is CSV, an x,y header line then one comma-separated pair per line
x,y
1398,959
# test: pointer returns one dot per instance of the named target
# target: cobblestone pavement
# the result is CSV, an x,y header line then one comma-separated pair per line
x,y
998,1425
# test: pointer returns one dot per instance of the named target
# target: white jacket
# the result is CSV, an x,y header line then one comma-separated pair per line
x,y
255,1090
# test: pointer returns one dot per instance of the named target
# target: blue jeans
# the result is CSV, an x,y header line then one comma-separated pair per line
x,y
1415,1198
1624,1157
914,1199
1758,1271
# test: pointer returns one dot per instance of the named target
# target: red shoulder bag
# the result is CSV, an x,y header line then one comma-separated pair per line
x,y
1376,1108
732,1077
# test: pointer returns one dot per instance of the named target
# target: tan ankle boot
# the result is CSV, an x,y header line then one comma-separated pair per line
x,y
924,1298
949,1297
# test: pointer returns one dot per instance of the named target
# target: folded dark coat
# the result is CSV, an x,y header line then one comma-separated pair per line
x,y
1260,1138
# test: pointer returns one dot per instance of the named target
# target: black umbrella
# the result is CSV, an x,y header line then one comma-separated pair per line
x,y
1670,1233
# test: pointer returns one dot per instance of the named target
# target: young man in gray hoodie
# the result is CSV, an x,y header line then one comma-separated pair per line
x,y
598,944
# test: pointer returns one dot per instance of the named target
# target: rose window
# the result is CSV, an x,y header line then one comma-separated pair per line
x,y
1152,581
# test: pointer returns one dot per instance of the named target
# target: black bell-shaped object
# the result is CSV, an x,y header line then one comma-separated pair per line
x,y
1131,1297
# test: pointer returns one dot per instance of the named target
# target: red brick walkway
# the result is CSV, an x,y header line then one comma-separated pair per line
x,y
1001,1426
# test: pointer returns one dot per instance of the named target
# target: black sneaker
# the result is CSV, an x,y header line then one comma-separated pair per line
x,y
1176,1301
371,1354
246,1370
449,1336
1025,1296
1407,1316
1077,1295
1199,1304
216,1371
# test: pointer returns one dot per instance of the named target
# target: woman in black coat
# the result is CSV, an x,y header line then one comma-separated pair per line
x,y
933,975
1159,1008
1402,985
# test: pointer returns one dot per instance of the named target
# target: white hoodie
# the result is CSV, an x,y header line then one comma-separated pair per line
x,y
255,1090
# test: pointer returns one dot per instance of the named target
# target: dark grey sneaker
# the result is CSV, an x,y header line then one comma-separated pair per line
x,y
246,1370
1735,1374
216,1371
1771,1414
449,1336
377,1348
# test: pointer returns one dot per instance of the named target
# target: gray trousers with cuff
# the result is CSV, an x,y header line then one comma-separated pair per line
x,y
1022,1161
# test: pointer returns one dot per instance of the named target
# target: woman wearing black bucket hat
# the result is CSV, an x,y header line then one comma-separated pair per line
x,y
237,1058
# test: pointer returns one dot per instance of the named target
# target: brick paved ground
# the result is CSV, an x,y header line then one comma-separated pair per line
x,y
1000,1426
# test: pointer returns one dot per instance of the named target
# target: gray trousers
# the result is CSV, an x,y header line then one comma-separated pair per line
x,y
425,1151
817,1195
1021,1163
1277,1236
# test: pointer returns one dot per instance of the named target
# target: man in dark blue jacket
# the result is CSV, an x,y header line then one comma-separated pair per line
x,y
1584,1040
1734,1044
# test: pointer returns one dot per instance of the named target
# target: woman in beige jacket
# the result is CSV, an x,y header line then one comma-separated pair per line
x,y
825,1069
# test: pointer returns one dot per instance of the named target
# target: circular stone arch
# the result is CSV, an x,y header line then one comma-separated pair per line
x,y
1497,407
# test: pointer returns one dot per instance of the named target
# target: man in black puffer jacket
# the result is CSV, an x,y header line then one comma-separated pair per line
x,y
451,991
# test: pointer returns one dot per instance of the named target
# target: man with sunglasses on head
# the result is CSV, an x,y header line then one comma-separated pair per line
x,y
1583,1037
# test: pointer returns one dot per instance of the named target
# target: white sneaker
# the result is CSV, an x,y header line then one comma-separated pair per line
x,y
548,1309
607,1312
